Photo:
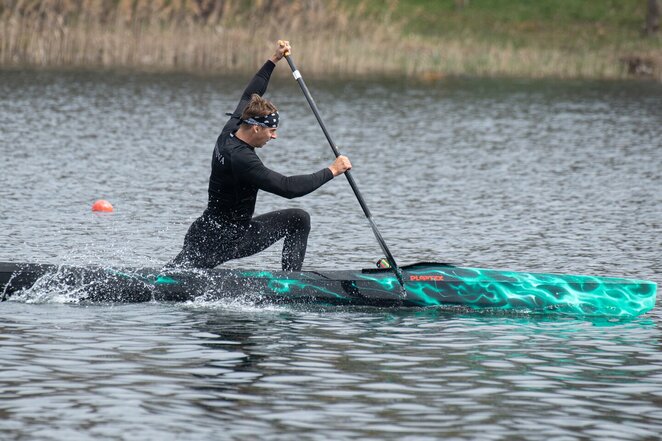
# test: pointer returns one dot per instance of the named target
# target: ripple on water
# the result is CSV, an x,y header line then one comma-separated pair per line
x,y
547,176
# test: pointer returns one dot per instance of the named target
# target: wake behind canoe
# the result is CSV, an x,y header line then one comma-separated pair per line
x,y
426,284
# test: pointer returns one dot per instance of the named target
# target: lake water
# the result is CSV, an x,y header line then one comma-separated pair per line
x,y
512,174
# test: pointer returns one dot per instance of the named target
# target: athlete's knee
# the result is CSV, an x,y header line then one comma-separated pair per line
x,y
300,219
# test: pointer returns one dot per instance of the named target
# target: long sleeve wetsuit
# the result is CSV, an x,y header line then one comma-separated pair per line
x,y
227,229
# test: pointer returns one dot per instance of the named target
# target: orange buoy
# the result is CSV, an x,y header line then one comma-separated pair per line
x,y
102,205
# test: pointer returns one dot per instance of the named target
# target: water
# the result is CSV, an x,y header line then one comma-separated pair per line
x,y
524,175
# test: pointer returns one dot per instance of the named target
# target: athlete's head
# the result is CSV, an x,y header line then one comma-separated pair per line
x,y
260,118
258,107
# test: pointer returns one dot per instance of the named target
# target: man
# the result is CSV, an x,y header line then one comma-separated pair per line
x,y
227,229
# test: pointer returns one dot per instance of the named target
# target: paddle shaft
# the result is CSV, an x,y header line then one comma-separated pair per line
x,y
348,175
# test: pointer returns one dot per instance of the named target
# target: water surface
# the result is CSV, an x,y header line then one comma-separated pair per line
x,y
524,175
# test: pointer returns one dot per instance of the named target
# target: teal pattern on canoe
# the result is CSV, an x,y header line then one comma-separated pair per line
x,y
425,285
479,288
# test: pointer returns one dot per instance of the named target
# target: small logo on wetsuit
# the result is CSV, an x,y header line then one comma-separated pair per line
x,y
426,278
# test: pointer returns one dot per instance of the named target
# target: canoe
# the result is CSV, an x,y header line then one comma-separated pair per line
x,y
427,284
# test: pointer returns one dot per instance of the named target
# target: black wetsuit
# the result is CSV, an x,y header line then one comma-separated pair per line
x,y
227,229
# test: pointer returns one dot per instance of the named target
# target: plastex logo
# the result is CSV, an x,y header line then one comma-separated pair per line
x,y
424,278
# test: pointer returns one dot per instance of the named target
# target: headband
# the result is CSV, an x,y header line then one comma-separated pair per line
x,y
269,121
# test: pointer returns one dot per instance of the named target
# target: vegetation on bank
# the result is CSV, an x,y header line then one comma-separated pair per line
x,y
426,39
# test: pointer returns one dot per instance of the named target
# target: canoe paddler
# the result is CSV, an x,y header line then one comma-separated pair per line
x,y
227,229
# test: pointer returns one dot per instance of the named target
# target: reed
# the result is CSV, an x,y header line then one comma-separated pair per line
x,y
330,39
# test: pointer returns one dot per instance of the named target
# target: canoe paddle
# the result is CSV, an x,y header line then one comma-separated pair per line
x,y
350,179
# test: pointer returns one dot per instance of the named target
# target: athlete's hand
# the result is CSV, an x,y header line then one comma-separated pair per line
x,y
340,165
283,49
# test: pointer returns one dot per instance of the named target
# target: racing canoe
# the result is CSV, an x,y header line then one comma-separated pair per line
x,y
426,284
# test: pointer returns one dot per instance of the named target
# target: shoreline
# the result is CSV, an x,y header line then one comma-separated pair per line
x,y
168,47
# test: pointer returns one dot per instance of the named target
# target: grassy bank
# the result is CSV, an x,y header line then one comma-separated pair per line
x,y
423,39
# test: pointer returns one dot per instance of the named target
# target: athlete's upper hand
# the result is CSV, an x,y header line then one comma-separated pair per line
x,y
283,49
340,165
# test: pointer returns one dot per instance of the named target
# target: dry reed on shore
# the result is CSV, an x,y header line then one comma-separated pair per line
x,y
221,36
196,35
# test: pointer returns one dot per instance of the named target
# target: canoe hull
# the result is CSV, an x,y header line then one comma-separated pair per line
x,y
426,284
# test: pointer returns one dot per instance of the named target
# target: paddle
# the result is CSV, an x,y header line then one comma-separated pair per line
x,y
350,179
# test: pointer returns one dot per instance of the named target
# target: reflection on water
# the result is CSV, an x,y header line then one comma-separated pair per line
x,y
544,176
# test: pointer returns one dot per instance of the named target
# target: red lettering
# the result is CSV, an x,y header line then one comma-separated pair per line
x,y
424,278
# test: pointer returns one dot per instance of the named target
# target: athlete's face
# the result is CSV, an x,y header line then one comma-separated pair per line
x,y
264,135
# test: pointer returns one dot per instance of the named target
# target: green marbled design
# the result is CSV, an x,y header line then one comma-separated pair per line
x,y
544,293
475,288
153,279
485,289
286,286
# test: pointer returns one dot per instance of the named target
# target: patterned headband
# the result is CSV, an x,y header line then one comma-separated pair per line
x,y
269,121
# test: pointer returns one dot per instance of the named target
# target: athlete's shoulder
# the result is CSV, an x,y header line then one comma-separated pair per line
x,y
236,146
238,150
229,143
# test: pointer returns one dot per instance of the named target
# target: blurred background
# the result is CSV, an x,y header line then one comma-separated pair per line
x,y
422,39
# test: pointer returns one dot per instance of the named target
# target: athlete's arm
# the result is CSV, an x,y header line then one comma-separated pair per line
x,y
250,170
258,84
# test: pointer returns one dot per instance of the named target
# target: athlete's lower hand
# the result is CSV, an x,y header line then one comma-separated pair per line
x,y
340,165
